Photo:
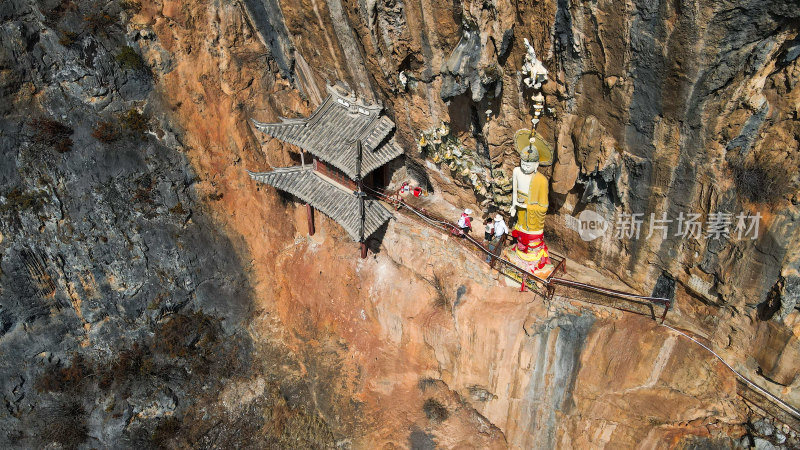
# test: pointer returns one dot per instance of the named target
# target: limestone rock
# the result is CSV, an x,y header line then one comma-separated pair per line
x,y
151,291
592,146
566,169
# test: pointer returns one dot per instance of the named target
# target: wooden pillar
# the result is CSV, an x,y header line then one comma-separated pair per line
x,y
666,308
497,249
310,213
360,194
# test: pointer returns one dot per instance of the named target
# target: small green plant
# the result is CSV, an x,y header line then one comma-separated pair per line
x,y
435,411
129,59
105,132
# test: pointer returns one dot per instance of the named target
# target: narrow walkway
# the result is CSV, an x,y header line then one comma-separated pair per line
x,y
749,391
545,287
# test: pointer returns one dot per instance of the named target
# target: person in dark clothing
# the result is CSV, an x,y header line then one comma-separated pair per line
x,y
488,229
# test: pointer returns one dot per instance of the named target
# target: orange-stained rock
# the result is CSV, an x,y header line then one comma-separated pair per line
x,y
172,10
423,319
565,170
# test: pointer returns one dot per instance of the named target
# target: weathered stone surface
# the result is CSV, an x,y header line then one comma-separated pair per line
x,y
124,306
566,169
274,336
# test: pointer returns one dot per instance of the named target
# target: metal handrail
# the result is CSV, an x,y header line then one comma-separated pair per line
x,y
666,303
451,225
546,282
746,381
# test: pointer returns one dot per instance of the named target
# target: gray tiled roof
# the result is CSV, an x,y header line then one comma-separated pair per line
x,y
331,200
331,132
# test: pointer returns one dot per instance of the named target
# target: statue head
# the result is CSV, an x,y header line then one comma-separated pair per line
x,y
529,160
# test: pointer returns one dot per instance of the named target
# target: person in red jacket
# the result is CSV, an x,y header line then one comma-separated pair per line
x,y
465,222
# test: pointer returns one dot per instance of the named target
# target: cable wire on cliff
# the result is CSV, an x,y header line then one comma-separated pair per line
x,y
446,226
746,380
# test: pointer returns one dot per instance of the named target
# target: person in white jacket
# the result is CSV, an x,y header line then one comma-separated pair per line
x,y
500,227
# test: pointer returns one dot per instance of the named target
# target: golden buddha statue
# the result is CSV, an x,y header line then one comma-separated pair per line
x,y
529,203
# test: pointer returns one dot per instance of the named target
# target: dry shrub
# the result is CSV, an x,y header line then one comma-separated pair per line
x,y
59,379
131,363
144,194
105,132
435,411
64,424
441,300
61,9
762,179
178,209
184,334
129,59
288,427
164,431
67,38
132,6
135,122
100,21
17,200
53,134
426,383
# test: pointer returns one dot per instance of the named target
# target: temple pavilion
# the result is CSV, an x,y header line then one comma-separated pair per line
x,y
350,143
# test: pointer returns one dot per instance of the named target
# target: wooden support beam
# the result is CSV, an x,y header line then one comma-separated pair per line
x,y
363,250
498,248
666,308
310,214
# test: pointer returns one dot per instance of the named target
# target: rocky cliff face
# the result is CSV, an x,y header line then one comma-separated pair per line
x,y
657,108
153,295
125,307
